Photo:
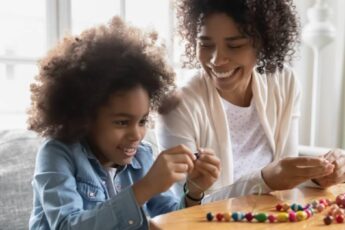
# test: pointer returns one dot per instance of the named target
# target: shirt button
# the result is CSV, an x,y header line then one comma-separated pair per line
x,y
130,222
92,194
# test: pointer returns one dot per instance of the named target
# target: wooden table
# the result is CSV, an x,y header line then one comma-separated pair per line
x,y
194,217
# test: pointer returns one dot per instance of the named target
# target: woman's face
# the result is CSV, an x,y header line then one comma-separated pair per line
x,y
119,127
226,55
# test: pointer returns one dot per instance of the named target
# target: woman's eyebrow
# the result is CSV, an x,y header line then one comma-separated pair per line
x,y
232,38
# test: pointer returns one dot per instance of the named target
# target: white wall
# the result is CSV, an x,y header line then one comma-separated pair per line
x,y
330,118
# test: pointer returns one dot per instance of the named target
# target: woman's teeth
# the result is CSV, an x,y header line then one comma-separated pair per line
x,y
224,74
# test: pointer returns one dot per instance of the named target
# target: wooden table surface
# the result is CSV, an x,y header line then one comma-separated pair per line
x,y
194,217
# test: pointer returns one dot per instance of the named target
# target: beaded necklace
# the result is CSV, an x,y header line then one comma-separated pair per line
x,y
289,213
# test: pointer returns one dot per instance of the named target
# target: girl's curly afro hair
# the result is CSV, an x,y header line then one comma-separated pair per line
x,y
80,73
272,24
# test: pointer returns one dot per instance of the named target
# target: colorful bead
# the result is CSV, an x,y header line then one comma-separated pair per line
x,y
283,217
292,216
279,207
309,213
301,215
261,217
271,218
237,216
339,219
328,220
314,204
286,207
320,207
219,216
209,216
227,216
249,216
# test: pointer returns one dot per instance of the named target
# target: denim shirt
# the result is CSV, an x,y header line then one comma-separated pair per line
x,y
70,190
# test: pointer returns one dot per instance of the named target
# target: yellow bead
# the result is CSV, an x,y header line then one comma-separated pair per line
x,y
283,217
301,215
227,216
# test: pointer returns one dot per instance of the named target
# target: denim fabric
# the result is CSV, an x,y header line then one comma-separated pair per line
x,y
70,190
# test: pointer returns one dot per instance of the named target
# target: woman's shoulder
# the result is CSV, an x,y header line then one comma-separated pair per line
x,y
193,88
282,80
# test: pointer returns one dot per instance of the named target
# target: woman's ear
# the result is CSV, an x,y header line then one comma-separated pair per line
x,y
169,102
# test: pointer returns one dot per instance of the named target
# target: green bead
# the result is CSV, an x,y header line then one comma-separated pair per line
x,y
261,217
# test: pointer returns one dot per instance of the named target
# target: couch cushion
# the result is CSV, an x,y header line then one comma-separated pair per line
x,y
17,160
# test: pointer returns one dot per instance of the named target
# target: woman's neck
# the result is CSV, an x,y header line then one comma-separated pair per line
x,y
239,96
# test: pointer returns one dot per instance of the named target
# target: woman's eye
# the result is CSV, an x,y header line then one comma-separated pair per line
x,y
205,45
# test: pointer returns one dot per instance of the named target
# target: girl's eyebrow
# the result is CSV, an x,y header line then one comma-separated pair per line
x,y
233,38
125,115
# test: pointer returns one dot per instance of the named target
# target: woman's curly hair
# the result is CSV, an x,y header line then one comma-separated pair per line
x,y
272,24
79,75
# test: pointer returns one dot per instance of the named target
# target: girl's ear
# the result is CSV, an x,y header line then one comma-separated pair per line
x,y
170,102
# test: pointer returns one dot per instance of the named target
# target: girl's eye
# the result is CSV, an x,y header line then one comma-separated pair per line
x,y
121,123
143,122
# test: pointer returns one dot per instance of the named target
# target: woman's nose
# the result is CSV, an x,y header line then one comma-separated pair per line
x,y
218,58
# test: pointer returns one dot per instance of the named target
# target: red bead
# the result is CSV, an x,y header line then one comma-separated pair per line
x,y
219,216
279,207
249,216
339,219
271,218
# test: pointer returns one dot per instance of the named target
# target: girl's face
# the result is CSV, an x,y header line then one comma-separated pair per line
x,y
226,55
119,127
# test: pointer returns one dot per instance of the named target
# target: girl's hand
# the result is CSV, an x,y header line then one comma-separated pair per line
x,y
337,158
291,171
171,165
206,171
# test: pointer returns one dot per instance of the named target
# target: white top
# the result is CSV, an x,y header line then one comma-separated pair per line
x,y
250,147
200,121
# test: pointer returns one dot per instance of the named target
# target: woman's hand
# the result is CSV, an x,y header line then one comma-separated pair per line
x,y
337,158
291,171
170,166
206,171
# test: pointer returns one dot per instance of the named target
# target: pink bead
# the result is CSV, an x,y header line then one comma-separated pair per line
x,y
249,216
309,214
271,218
320,207
292,216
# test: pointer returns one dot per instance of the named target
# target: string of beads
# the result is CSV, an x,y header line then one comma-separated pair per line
x,y
289,213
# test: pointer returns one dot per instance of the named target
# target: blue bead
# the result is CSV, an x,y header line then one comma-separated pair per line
x,y
209,216
237,216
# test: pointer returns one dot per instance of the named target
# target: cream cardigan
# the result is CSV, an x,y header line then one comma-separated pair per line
x,y
200,121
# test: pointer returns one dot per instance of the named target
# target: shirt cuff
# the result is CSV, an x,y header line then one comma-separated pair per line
x,y
130,215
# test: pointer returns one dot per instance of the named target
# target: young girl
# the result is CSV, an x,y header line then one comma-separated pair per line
x,y
245,99
92,100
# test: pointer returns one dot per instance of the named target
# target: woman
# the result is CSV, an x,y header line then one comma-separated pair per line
x,y
244,101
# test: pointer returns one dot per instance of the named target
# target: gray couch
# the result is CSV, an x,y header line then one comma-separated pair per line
x,y
17,162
